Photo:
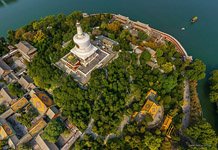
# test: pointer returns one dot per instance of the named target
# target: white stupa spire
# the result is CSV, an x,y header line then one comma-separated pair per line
x,y
83,47
79,30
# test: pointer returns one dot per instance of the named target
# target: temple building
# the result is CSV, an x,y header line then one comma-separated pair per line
x,y
151,106
84,57
167,126
167,122
40,101
27,50
84,50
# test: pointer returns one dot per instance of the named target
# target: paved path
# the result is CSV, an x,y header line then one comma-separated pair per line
x,y
186,105
89,130
170,38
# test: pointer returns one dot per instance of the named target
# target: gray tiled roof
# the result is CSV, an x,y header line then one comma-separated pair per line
x,y
6,94
3,67
25,47
25,81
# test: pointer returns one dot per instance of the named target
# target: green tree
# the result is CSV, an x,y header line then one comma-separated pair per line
x,y
166,145
214,86
152,142
114,27
53,130
196,70
213,96
3,46
3,143
142,35
148,118
19,33
26,117
25,146
167,67
3,108
39,37
145,56
15,89
202,133
168,82
159,52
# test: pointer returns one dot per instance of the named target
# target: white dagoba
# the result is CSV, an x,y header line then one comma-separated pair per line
x,y
83,49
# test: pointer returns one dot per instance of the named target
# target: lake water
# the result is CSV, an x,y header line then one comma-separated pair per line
x,y
200,39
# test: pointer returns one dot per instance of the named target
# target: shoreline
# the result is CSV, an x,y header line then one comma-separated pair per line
x,y
145,27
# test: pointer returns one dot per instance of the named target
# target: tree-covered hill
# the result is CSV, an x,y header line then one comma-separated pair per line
x,y
116,90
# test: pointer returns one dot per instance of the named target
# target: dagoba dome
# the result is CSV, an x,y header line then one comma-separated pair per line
x,y
83,48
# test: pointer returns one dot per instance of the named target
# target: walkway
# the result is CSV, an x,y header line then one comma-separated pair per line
x,y
146,27
186,105
171,39
89,130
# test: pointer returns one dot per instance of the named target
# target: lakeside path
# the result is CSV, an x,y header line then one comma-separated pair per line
x,y
145,27
186,105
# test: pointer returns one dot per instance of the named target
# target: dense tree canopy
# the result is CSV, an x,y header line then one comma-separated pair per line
x,y
214,86
167,67
134,136
196,70
3,46
202,133
25,118
145,56
114,91
53,130
15,90
3,108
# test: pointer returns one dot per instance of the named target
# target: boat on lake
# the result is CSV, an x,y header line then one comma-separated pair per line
x,y
194,19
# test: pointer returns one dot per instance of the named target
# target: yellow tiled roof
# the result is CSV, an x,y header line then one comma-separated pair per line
x,y
37,127
134,115
151,108
5,131
150,92
41,102
19,104
3,134
166,123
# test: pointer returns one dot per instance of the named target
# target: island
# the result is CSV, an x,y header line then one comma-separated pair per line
x,y
99,81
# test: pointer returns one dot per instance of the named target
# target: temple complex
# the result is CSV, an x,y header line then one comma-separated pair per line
x,y
84,57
